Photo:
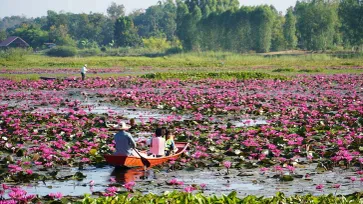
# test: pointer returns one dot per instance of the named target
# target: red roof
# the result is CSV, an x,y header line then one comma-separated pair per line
x,y
11,39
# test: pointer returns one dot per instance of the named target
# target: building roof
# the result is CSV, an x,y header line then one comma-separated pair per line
x,y
11,39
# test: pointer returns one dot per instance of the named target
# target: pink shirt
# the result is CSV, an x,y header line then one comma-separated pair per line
x,y
157,146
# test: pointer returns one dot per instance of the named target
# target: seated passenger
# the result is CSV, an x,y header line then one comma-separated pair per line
x,y
157,147
170,147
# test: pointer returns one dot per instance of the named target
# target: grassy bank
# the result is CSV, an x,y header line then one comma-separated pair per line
x,y
196,64
193,60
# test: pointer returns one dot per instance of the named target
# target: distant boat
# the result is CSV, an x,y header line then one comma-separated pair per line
x,y
133,161
48,78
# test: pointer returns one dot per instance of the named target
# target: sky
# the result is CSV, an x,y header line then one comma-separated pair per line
x,y
36,8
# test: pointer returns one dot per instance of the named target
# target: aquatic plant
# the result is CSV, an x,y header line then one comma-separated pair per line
x,y
308,119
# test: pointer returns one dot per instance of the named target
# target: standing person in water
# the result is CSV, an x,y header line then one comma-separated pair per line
x,y
84,71
125,143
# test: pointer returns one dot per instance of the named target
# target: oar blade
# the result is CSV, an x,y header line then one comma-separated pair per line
x,y
145,162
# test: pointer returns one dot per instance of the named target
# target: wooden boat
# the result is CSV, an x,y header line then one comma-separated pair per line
x,y
135,161
48,78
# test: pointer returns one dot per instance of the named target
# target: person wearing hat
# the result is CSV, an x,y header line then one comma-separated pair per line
x,y
83,72
124,141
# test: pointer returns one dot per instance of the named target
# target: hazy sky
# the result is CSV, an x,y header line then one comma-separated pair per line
x,y
35,8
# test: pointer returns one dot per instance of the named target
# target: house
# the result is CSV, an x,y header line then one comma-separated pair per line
x,y
13,42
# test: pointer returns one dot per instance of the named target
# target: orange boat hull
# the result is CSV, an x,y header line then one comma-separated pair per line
x,y
133,161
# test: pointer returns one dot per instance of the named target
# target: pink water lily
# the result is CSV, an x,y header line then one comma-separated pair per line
x,y
336,185
111,191
227,164
175,181
130,185
112,180
189,189
203,185
57,195
319,187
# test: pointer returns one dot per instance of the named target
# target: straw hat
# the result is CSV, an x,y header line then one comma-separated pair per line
x,y
85,65
123,126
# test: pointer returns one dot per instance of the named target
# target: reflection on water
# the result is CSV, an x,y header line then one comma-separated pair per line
x,y
101,177
217,183
125,175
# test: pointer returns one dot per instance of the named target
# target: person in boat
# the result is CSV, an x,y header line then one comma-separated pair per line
x,y
164,132
125,143
170,147
158,133
157,147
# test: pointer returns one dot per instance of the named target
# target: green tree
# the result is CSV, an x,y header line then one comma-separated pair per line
x,y
107,33
316,24
156,44
290,29
278,42
242,38
157,21
55,19
115,11
32,34
211,6
3,35
126,33
168,21
351,15
249,28
188,30
13,21
60,36
182,27
262,19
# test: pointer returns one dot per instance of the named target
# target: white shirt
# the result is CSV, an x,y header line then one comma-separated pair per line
x,y
84,70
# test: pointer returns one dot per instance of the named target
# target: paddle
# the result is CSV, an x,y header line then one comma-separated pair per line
x,y
144,161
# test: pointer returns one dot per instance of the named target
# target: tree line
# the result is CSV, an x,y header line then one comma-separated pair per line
x,y
200,25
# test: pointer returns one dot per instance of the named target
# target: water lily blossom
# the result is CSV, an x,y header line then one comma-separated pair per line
x,y
319,187
129,185
57,195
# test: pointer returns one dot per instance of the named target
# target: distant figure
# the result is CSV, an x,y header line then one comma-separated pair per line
x,y
84,71
157,147
124,141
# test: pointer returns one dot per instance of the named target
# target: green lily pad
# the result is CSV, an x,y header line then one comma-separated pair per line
x,y
79,176
245,174
286,178
191,168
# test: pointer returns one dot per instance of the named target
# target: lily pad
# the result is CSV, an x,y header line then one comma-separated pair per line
x,y
286,178
79,176
245,174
